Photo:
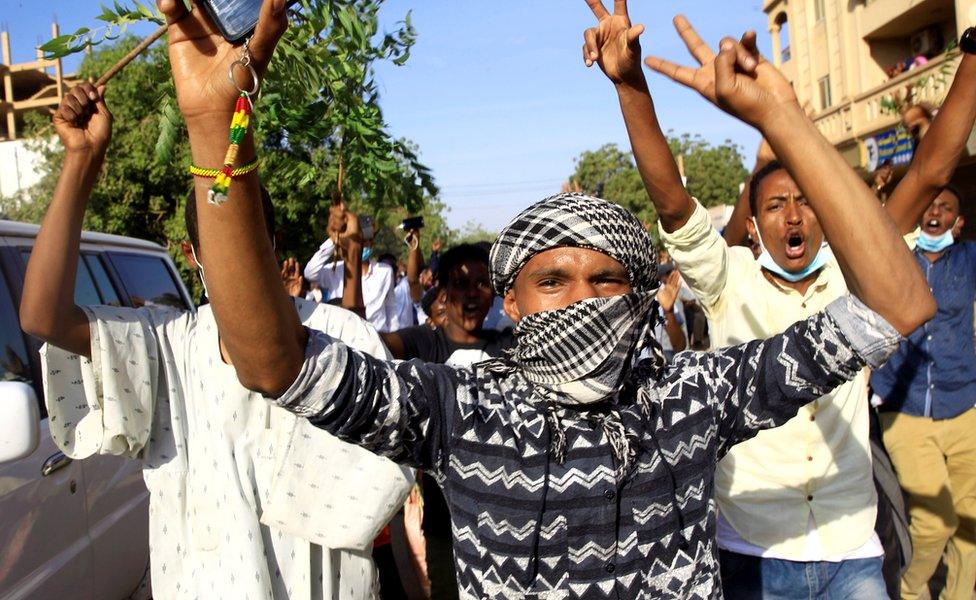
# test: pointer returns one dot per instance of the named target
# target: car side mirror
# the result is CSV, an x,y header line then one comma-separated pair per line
x,y
19,421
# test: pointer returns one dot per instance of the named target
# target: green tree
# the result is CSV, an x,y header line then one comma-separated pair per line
x,y
318,124
713,174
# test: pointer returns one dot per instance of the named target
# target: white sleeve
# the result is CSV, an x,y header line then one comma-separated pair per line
x,y
105,405
318,261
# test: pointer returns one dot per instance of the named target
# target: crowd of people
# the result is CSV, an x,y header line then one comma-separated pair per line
x,y
530,418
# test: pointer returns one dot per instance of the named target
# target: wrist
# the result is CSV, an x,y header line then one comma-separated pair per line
x,y
783,119
632,84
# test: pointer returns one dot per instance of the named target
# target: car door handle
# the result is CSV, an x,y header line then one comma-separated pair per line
x,y
55,462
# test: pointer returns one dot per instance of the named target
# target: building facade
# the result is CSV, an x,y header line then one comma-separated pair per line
x,y
855,63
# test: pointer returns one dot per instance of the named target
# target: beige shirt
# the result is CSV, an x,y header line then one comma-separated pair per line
x,y
819,463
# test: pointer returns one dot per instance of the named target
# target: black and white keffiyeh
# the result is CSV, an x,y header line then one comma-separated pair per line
x,y
580,221
583,353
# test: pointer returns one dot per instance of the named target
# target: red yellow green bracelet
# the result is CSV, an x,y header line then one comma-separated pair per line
x,y
238,172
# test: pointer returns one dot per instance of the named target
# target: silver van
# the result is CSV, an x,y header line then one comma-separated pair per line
x,y
70,529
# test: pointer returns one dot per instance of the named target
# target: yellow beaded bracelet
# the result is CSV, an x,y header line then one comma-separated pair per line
x,y
213,173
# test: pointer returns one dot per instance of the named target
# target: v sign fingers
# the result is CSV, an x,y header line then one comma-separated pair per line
x,y
614,43
696,46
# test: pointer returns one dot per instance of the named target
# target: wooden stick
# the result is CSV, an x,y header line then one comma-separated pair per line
x,y
131,55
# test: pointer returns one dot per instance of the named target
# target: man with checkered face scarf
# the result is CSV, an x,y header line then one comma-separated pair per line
x,y
569,471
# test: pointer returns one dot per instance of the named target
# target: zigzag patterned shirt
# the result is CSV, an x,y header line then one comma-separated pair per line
x,y
528,527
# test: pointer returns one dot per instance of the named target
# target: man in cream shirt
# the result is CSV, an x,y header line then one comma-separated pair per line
x,y
799,497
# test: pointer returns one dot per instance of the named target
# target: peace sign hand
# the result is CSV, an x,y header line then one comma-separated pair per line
x,y
614,43
738,80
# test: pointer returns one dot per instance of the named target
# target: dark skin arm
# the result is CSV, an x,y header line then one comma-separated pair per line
x,y
614,44
736,232
47,308
415,264
887,279
939,152
257,320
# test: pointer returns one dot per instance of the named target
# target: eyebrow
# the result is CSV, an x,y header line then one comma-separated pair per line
x,y
549,272
610,272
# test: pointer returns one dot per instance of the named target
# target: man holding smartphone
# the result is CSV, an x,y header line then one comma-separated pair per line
x,y
379,279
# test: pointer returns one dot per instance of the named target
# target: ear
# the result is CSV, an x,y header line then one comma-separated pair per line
x,y
751,228
511,307
188,255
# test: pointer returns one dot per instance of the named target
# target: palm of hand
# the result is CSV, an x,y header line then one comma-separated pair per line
x,y
200,58
667,296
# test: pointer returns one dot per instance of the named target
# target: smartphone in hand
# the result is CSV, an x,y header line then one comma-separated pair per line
x,y
235,19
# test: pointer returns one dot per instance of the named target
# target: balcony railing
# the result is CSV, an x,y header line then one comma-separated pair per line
x,y
866,113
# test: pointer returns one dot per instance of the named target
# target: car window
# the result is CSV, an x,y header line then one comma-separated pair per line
x,y
14,363
148,280
105,287
86,294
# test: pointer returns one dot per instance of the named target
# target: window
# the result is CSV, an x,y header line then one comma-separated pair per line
x,y
148,280
819,10
14,362
86,294
825,100
105,287
784,36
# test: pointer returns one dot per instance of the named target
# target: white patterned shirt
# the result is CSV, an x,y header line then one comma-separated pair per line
x,y
232,480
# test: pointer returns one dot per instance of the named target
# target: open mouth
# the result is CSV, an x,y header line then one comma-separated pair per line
x,y
795,246
932,226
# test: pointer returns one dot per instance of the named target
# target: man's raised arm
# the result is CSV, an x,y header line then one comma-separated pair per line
x,y
47,308
257,320
938,154
614,44
877,264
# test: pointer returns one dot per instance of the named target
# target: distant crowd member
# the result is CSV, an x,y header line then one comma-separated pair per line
x,y
230,477
379,279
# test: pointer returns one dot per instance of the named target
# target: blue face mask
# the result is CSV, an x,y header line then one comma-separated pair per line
x,y
367,253
936,244
766,261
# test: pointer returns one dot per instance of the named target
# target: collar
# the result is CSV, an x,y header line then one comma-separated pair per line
x,y
819,284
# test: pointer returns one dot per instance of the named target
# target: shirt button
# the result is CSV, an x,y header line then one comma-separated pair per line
x,y
610,567
929,338
609,494
810,498
810,458
813,417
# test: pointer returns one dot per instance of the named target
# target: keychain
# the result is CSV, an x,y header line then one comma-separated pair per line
x,y
238,126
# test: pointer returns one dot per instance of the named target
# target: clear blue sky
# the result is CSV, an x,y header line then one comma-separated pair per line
x,y
495,93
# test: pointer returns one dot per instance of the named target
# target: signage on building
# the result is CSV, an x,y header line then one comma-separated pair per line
x,y
894,145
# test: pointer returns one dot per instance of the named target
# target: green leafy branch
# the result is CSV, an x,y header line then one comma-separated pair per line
x,y
117,21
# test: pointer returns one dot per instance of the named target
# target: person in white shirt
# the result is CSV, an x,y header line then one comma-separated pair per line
x,y
230,477
379,282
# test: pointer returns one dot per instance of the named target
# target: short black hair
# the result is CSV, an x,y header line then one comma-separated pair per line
x,y
955,191
457,256
767,170
193,231
388,258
